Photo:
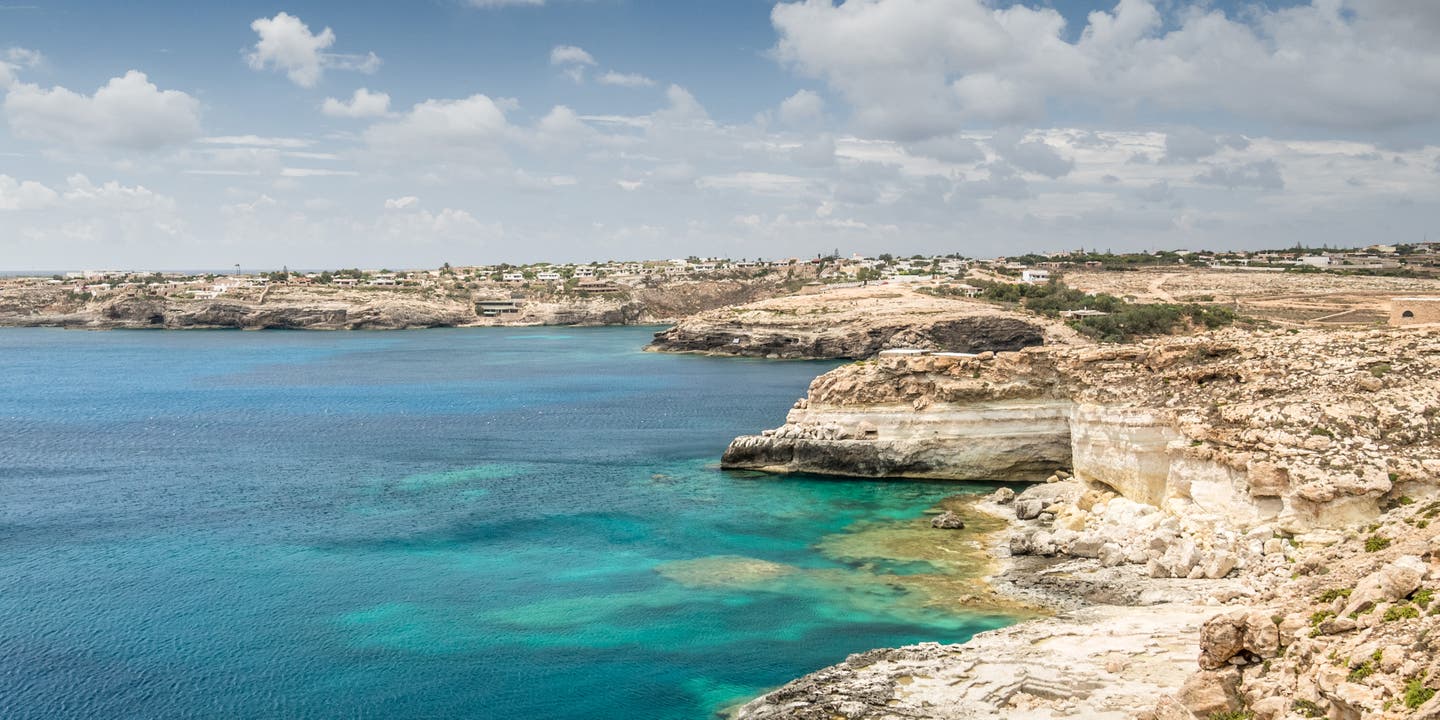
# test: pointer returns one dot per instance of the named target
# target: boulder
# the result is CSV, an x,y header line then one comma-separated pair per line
x,y
1211,692
1112,555
1028,509
1392,582
1087,546
1221,638
1003,496
1220,565
948,520
1262,635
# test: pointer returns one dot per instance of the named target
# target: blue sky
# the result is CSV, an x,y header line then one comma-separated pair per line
x,y
524,130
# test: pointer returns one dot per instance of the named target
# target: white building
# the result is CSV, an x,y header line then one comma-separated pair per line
x,y
547,276
1034,277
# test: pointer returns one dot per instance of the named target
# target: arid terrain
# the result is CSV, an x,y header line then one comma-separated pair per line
x,y
1286,298
857,322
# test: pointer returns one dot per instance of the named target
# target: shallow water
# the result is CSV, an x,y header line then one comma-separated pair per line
x,y
497,523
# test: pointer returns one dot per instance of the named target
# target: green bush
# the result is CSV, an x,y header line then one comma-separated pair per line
x,y
1403,611
1307,709
1416,694
1375,543
1423,597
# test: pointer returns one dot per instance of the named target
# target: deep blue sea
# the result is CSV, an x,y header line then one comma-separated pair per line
x,y
490,523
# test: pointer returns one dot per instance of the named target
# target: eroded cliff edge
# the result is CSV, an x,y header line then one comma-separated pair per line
x,y
1259,501
1302,430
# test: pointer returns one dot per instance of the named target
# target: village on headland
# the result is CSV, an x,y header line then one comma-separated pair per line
x,y
1299,284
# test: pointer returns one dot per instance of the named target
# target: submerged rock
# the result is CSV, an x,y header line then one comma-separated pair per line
x,y
949,520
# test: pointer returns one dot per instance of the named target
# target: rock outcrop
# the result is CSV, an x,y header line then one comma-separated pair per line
x,y
1294,431
855,323
1262,503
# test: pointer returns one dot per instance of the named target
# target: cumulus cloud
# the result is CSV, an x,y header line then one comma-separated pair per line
x,y
1191,144
128,112
1036,156
287,45
1261,174
15,59
570,55
914,69
114,196
804,109
573,60
363,104
256,141
445,129
624,79
25,195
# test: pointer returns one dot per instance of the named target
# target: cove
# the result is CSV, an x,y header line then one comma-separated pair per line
x,y
440,524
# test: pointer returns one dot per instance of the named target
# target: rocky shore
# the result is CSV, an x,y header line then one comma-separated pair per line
x,y
1240,528
308,308
856,322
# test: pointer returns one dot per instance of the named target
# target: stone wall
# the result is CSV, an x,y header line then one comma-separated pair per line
x,y
1414,311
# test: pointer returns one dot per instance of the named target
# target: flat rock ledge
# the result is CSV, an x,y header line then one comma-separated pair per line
x,y
1096,662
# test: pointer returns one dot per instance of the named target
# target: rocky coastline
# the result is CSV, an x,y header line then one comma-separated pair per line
x,y
1240,528
302,308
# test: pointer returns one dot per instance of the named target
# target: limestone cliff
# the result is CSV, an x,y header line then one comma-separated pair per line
x,y
1303,431
1260,503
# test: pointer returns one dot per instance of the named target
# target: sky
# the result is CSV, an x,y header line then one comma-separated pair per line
x,y
161,134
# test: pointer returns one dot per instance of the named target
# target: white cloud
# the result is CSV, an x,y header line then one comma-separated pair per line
x,y
16,58
625,79
915,69
128,112
757,182
570,55
446,130
573,60
402,203
1262,174
114,196
362,104
25,195
257,141
1036,156
804,109
287,45
295,172
1191,144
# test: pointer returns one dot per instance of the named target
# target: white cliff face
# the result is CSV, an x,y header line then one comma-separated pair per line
x,y
1010,440
1243,430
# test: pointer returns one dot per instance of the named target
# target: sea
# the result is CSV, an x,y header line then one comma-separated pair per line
x,y
449,523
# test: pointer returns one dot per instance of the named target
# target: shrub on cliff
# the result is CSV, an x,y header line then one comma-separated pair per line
x,y
1123,321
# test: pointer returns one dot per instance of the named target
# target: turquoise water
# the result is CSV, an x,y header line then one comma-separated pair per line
x,y
440,524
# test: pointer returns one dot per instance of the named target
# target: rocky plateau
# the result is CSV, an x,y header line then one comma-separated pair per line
x,y
1229,526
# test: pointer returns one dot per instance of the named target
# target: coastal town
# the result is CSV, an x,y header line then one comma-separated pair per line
x,y
1354,286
